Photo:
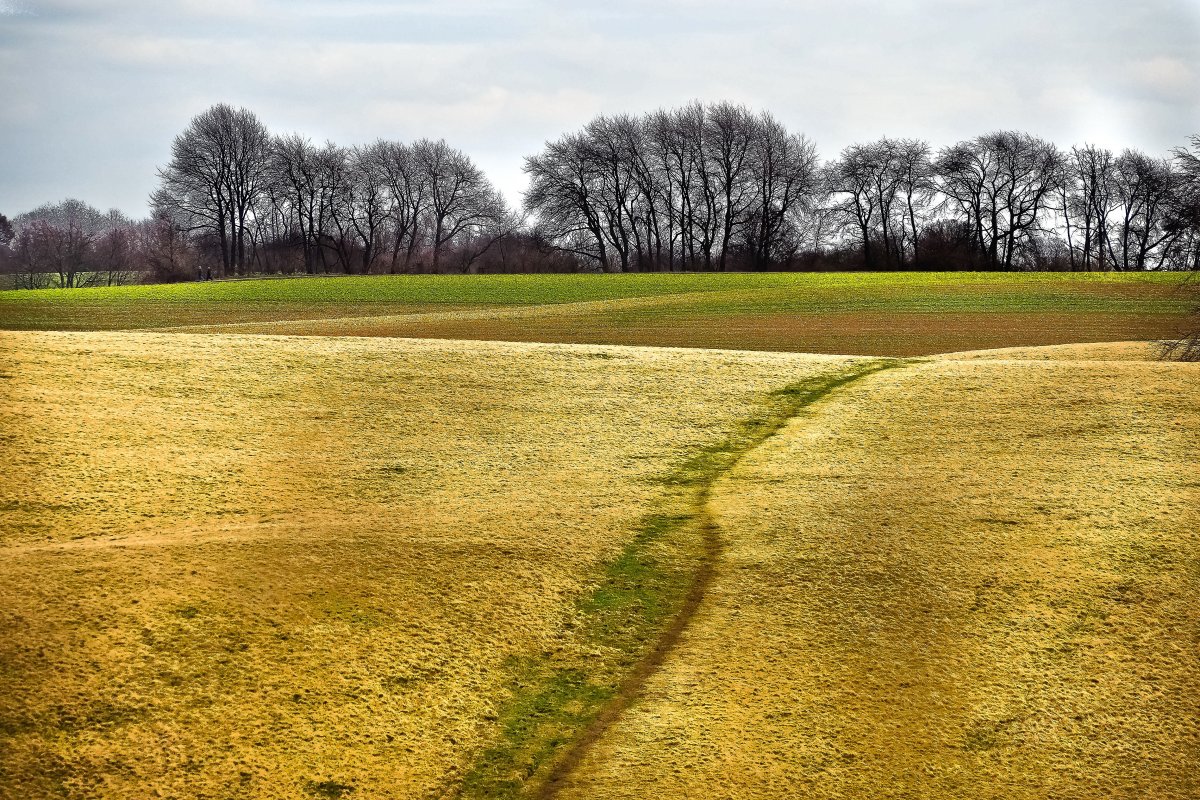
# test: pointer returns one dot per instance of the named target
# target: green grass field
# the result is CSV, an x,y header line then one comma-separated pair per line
x,y
863,313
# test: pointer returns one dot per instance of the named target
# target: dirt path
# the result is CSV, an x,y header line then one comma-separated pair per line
x,y
802,397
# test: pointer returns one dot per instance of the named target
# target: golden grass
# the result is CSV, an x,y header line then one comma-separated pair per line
x,y
960,579
265,566
1096,351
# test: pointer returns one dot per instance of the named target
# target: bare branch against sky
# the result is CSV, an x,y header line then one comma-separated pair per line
x,y
93,93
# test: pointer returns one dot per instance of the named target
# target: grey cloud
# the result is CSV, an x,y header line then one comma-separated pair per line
x,y
93,93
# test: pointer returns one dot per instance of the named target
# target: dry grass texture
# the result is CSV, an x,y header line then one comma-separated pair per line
x,y
960,579
264,567
1096,351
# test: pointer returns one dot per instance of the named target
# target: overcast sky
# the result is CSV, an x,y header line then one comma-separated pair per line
x,y
93,91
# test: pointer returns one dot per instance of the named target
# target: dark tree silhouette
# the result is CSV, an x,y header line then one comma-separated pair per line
x,y
218,168
1186,219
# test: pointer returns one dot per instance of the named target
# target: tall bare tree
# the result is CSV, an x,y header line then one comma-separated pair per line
x,y
407,186
1002,184
219,165
462,201
1144,189
784,173
1186,222
1086,204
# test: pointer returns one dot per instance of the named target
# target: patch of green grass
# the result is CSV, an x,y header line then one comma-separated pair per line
x,y
555,696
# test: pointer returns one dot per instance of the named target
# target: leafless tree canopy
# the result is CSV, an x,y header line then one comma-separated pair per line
x,y
281,203
719,187
882,193
1186,218
701,187
69,244
217,172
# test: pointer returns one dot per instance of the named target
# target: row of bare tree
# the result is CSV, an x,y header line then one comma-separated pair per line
x,y
71,244
280,203
693,188
720,187
702,187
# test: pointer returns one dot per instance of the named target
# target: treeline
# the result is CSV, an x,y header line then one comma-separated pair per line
x,y
71,245
702,187
719,187
257,202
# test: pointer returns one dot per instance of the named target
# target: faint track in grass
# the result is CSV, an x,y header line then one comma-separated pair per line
x,y
794,400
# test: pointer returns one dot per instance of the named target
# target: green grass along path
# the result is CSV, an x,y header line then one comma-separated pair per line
x,y
626,627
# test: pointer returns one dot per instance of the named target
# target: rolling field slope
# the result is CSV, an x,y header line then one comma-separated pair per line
x,y
340,564
894,314
270,567
962,578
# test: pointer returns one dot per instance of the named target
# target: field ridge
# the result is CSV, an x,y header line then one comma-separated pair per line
x,y
637,615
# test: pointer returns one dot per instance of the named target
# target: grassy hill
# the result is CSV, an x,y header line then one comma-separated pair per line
x,y
337,564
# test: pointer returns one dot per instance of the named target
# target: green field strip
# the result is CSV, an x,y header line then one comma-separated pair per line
x,y
689,294
558,699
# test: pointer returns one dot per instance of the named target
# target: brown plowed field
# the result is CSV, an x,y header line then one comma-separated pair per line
x,y
850,333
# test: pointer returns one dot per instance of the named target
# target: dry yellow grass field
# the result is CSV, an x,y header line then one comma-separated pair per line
x,y
268,566
265,566
965,578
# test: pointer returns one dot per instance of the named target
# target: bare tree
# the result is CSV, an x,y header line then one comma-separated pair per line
x,y
462,202
562,186
7,234
166,251
59,239
366,201
114,250
853,179
1002,184
784,173
218,167
298,188
1086,204
1185,213
885,189
675,138
1186,222
1144,189
408,188
729,136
